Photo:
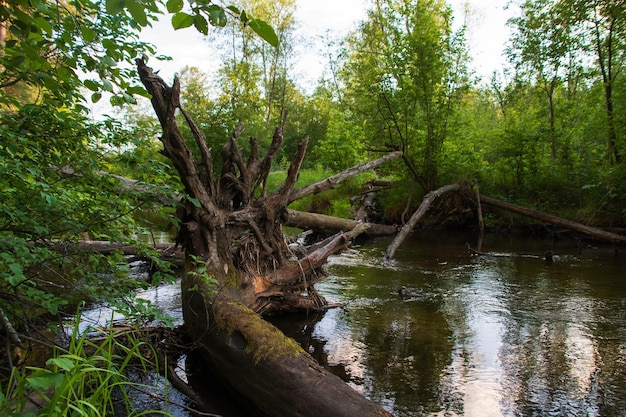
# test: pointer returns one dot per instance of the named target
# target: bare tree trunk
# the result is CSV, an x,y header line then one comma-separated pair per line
x,y
419,213
479,211
326,223
239,264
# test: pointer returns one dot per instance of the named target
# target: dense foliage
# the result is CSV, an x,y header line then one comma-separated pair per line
x,y
57,163
546,133
549,133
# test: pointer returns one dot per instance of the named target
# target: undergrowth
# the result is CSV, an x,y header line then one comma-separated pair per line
x,y
88,378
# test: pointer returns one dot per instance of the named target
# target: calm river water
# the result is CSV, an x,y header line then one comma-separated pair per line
x,y
484,336
475,336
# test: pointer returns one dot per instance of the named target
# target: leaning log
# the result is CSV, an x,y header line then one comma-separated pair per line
x,y
324,223
331,182
419,213
557,221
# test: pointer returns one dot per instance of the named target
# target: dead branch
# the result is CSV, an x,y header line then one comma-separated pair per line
x,y
331,182
558,221
419,213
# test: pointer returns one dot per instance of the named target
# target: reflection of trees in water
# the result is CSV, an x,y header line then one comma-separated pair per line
x,y
409,346
300,327
556,359
560,332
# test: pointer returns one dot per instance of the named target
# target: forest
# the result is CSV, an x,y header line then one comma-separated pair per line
x,y
400,100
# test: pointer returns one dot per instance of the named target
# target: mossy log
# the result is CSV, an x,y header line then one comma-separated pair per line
x,y
270,370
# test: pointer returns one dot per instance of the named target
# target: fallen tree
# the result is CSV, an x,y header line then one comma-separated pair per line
x,y
593,232
326,223
238,265
429,198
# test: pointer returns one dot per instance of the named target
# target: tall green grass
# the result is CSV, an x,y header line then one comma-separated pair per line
x,y
89,378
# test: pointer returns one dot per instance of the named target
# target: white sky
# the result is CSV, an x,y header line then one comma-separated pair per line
x,y
335,18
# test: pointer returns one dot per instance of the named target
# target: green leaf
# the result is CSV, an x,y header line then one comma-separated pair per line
x,y
217,16
139,90
50,199
128,98
114,7
194,201
64,73
47,381
201,24
17,268
95,97
106,84
174,6
15,280
182,20
109,44
234,9
89,35
265,31
91,84
44,25
64,363
50,83
138,12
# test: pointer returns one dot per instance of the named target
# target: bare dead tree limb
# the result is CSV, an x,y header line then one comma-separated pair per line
x,y
419,213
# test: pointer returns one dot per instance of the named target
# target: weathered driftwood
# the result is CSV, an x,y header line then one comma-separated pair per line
x,y
239,264
166,250
326,223
419,213
548,256
557,221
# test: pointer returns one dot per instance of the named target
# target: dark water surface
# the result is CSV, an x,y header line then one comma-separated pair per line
x,y
506,335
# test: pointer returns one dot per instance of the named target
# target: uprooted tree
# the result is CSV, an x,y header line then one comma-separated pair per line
x,y
239,266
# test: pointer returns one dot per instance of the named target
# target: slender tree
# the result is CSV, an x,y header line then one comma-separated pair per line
x,y
404,71
254,77
542,46
603,23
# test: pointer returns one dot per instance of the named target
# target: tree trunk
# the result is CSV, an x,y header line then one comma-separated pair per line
x,y
557,221
419,213
326,223
239,264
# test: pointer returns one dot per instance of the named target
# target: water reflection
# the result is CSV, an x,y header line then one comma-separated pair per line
x,y
478,336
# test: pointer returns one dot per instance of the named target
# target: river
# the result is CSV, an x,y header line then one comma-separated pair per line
x,y
503,334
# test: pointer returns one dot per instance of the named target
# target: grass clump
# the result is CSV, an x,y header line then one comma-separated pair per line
x,y
88,378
